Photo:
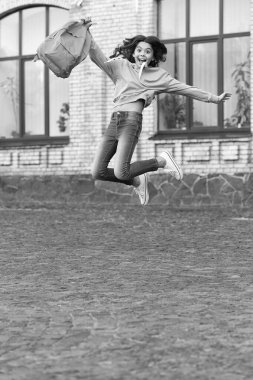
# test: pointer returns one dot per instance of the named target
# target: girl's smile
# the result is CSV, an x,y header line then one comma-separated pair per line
x,y
143,53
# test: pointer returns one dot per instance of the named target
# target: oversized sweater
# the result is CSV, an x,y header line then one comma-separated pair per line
x,y
132,83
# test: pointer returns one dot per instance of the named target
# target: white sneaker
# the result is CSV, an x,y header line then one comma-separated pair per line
x,y
142,189
171,165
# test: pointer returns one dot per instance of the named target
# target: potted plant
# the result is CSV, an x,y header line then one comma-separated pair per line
x,y
64,117
173,110
241,77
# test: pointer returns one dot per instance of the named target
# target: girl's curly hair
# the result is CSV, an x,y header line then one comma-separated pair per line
x,y
129,45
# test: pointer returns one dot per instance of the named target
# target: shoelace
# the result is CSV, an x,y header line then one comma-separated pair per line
x,y
139,192
174,174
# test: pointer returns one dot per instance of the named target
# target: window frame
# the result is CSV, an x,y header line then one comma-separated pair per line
x,y
210,132
25,140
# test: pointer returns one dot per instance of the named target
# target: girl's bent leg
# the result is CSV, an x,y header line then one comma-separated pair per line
x,y
105,152
121,138
123,169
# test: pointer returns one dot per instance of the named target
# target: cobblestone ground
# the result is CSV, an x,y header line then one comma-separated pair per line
x,y
116,292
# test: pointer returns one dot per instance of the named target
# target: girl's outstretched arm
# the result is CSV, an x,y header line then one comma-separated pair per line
x,y
172,85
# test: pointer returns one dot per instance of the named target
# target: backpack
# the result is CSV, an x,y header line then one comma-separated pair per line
x,y
65,48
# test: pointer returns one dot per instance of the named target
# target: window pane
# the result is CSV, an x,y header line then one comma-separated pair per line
x,y
57,18
236,16
9,99
175,61
9,36
237,81
172,19
205,77
59,97
172,107
34,98
204,17
59,106
34,29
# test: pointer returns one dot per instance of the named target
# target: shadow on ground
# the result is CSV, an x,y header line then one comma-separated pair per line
x,y
116,292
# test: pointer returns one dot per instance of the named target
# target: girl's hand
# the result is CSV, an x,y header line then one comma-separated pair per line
x,y
224,96
87,18
87,21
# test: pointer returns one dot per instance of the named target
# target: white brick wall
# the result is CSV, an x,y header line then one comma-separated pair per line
x,y
91,94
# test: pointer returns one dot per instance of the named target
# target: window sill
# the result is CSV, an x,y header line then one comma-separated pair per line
x,y
201,134
35,140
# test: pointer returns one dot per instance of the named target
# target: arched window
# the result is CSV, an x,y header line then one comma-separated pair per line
x,y
208,44
33,101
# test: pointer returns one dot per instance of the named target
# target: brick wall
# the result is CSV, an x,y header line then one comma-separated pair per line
x,y
91,94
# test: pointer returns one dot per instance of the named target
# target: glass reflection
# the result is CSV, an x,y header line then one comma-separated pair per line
x,y
237,81
34,29
9,99
172,112
204,17
34,98
57,18
58,89
9,36
236,16
59,106
205,77
172,19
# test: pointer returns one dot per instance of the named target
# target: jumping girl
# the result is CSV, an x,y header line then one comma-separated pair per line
x,y
134,70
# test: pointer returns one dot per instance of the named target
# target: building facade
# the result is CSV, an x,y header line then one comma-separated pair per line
x,y
51,126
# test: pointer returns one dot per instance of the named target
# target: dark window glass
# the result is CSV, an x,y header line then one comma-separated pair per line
x,y
213,54
9,99
9,36
236,16
204,17
58,17
172,21
58,106
58,102
33,101
237,81
34,98
205,61
172,107
34,29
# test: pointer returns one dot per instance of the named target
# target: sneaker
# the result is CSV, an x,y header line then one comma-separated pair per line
x,y
171,165
142,189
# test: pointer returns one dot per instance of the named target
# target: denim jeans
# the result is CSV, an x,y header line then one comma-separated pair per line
x,y
120,139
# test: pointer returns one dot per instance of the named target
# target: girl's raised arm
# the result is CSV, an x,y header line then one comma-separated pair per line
x,y
97,56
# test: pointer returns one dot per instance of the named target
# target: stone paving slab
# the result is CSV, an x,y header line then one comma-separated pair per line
x,y
116,292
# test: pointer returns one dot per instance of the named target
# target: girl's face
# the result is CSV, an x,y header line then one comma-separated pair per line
x,y
143,53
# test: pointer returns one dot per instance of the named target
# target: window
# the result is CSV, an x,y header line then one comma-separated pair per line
x,y
208,46
33,101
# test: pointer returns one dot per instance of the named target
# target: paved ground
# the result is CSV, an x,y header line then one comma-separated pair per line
x,y
116,292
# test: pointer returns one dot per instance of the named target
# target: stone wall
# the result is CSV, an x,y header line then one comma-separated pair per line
x,y
193,191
